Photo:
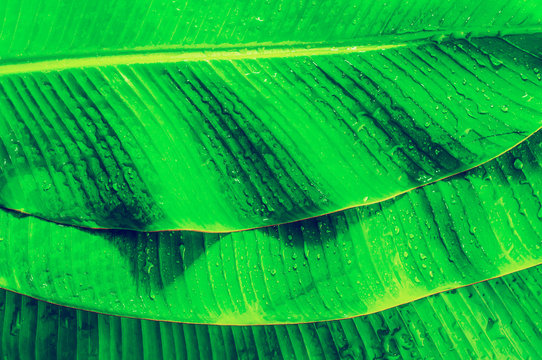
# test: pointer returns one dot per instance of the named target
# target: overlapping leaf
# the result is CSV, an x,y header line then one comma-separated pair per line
x,y
234,124
474,226
495,319
226,115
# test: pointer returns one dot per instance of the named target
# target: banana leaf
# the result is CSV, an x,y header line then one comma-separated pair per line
x,y
478,225
318,161
227,115
500,318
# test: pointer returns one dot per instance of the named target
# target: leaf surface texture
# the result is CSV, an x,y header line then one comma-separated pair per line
x,y
471,227
495,319
231,124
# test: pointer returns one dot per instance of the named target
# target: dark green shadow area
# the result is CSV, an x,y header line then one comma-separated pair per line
x,y
497,318
471,227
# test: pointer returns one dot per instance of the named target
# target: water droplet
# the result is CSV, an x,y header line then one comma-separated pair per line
x,y
495,61
518,164
504,108
306,251
148,267
182,250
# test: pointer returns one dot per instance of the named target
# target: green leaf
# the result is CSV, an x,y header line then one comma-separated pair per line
x,y
226,115
478,225
499,318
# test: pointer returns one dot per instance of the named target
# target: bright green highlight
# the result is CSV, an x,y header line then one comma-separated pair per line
x,y
471,227
237,124
495,319
220,116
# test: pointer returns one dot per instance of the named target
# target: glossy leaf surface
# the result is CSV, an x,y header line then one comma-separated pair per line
x,y
228,116
495,319
474,226
222,116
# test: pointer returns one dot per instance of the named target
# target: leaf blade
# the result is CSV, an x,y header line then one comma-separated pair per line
x,y
495,318
455,232
260,141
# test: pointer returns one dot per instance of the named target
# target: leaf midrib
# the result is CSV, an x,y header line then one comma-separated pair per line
x,y
173,54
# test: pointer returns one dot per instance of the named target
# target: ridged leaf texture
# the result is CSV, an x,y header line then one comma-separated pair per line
x,y
458,231
338,179
231,124
495,319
